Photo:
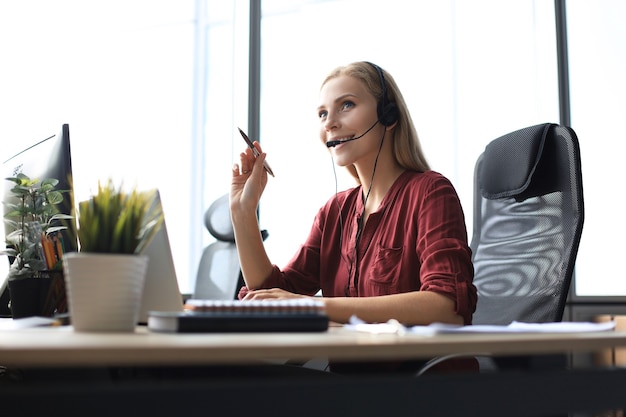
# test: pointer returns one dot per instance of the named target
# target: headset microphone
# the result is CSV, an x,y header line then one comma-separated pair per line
x,y
333,143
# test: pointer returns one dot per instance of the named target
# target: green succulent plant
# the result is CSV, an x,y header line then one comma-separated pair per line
x,y
31,213
116,221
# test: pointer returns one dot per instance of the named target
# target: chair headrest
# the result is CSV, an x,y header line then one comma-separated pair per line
x,y
509,162
217,220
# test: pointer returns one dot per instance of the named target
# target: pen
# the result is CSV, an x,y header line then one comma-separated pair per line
x,y
256,153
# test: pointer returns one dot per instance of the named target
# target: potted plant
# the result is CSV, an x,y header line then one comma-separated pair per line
x,y
35,246
105,279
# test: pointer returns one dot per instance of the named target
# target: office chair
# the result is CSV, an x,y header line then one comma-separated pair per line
x,y
528,220
219,273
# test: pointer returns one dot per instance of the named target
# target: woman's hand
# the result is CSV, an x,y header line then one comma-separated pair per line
x,y
248,181
271,294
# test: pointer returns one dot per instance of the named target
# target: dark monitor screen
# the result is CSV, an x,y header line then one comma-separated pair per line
x,y
48,158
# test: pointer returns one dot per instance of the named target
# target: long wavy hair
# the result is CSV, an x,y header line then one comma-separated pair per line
x,y
407,150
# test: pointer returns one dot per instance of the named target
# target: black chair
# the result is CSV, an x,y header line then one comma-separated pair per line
x,y
528,219
219,273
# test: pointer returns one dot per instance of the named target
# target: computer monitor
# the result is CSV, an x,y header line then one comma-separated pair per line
x,y
48,158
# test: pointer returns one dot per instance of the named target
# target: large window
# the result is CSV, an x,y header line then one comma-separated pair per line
x,y
154,92
120,73
597,55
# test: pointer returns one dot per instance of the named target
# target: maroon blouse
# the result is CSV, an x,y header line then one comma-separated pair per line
x,y
416,240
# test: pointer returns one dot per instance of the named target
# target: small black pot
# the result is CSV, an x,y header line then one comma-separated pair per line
x,y
28,296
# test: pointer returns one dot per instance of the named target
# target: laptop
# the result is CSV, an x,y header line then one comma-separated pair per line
x,y
161,291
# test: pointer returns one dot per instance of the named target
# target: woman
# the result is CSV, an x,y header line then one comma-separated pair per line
x,y
393,247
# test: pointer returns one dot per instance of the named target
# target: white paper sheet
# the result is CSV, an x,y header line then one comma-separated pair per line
x,y
394,327
16,324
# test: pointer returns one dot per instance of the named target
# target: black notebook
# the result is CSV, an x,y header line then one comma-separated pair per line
x,y
219,316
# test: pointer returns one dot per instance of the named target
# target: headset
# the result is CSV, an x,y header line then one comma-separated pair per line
x,y
387,111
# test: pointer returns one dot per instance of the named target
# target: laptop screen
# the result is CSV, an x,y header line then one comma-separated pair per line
x,y
161,291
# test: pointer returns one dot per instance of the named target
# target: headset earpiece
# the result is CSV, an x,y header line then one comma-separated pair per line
x,y
389,115
387,112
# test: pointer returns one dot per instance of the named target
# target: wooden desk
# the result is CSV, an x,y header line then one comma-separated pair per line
x,y
511,394
60,346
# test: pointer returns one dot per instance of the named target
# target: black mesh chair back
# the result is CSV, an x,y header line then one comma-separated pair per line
x,y
528,219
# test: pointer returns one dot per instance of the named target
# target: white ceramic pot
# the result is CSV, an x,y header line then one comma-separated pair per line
x,y
104,290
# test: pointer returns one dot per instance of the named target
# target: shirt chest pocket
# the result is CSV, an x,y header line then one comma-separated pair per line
x,y
385,270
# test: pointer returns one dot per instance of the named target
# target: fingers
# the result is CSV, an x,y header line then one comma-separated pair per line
x,y
257,146
240,172
248,161
257,295
258,163
244,166
270,294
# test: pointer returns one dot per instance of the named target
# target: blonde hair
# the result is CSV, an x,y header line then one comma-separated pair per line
x,y
407,150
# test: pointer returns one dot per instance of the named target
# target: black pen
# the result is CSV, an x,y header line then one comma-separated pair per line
x,y
256,153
